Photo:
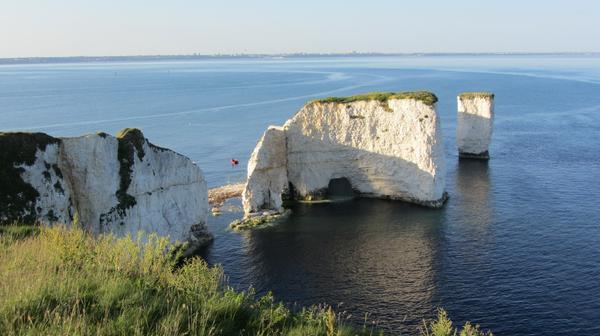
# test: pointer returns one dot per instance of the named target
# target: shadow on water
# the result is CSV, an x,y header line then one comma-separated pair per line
x,y
379,253
393,260
385,258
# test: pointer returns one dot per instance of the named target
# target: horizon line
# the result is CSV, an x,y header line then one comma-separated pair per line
x,y
80,58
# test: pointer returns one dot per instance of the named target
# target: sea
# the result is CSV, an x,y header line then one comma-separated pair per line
x,y
516,249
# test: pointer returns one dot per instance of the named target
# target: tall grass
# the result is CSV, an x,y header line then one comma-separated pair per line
x,y
61,281
12,233
442,326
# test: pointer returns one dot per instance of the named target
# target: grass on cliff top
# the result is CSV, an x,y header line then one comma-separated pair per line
x,y
58,281
426,97
471,95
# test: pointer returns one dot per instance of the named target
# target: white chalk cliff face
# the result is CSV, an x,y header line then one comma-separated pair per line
x,y
119,185
475,124
267,173
386,149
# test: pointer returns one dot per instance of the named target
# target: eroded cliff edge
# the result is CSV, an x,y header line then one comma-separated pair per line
x,y
120,185
387,145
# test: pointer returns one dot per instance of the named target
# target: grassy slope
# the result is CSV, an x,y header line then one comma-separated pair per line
x,y
64,282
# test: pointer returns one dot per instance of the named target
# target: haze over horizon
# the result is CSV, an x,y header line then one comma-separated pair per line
x,y
44,28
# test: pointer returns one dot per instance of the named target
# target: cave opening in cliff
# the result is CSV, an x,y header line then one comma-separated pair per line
x,y
340,189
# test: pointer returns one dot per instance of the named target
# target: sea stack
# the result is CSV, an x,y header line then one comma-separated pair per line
x,y
385,145
474,124
105,184
267,173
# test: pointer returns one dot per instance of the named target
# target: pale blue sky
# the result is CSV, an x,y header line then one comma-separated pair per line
x,y
142,27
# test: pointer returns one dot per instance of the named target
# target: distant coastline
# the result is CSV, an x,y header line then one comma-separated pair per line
x,y
192,57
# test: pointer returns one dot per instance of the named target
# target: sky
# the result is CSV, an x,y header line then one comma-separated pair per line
x,y
42,28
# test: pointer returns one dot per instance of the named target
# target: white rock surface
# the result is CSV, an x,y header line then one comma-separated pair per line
x,y
474,125
170,192
392,151
386,150
91,168
267,173
166,192
54,201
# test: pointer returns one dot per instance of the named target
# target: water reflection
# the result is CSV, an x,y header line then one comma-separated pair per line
x,y
473,193
379,253
390,259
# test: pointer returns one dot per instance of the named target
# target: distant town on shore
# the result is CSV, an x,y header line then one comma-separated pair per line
x,y
198,56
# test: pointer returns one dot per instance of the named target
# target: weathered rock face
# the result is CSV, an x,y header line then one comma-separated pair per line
x,y
267,173
120,184
474,124
392,151
386,147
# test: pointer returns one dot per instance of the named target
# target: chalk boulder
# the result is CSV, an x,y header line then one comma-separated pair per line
x,y
120,185
475,124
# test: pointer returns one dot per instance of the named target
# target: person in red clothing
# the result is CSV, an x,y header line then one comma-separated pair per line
x,y
234,162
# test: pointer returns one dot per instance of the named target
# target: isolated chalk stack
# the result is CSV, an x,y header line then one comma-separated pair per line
x,y
474,124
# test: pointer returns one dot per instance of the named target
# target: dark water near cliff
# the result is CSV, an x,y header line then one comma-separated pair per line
x,y
516,249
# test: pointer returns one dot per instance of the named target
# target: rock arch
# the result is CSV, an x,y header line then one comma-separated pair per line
x,y
387,145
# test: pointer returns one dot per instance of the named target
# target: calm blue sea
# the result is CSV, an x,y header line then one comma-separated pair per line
x,y
516,249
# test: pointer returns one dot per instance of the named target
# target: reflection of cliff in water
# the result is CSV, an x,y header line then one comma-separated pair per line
x,y
473,194
379,253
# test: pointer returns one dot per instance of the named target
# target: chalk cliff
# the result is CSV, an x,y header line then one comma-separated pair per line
x,y
387,145
120,185
475,124
267,173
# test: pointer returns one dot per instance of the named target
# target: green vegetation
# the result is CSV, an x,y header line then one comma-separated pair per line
x,y
10,234
64,282
131,140
132,137
17,198
427,98
257,221
471,95
442,326
58,281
